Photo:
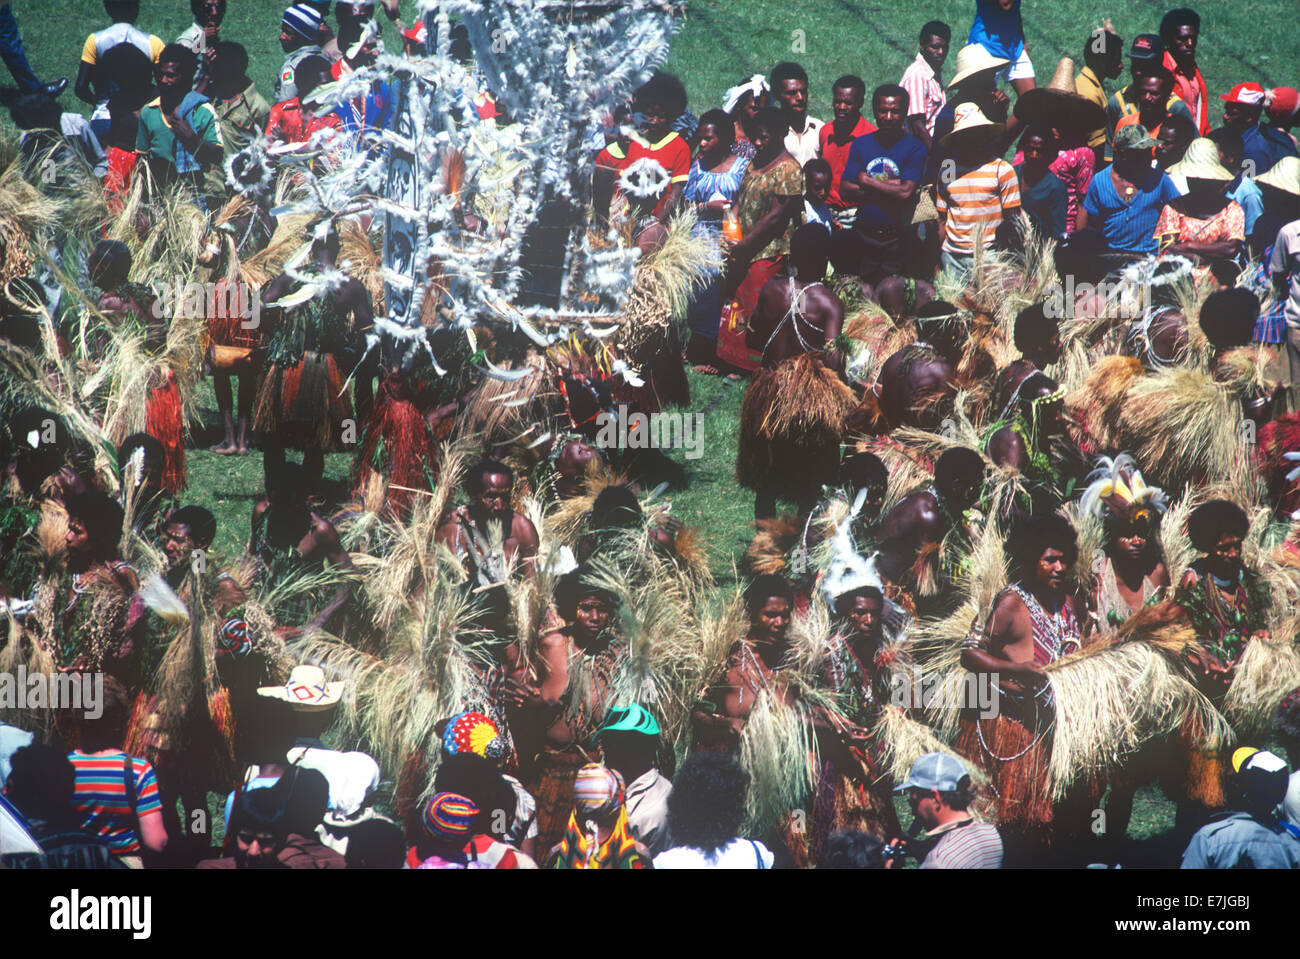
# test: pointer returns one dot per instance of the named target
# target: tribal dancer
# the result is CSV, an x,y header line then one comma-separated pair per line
x,y
1035,621
1022,438
1226,603
561,704
853,791
1132,573
301,404
793,417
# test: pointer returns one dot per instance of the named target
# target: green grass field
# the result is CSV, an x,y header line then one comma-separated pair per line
x,y
721,43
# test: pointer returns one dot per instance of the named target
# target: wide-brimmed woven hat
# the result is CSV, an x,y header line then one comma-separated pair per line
x,y
1059,105
973,59
970,124
1284,176
305,690
1201,162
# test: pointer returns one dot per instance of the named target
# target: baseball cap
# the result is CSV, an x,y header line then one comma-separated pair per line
x,y
304,20
1146,46
1250,94
1134,137
1261,774
940,771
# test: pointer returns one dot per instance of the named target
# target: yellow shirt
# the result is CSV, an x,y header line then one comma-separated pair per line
x,y
117,33
1088,85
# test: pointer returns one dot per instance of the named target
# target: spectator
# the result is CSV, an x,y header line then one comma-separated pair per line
x,y
848,94
999,30
1145,57
817,180
116,795
454,836
978,204
273,827
1125,200
1103,56
300,37
15,58
1058,107
923,80
1176,134
96,82
179,132
1262,144
40,786
1179,31
661,100
630,740
706,812
880,178
202,36
1042,193
1151,94
477,734
1248,835
373,110
597,835
1204,223
742,104
294,121
1285,265
939,793
790,87
47,128
1282,107
242,111
974,82
123,131
711,188
376,844
1242,189
1280,191
771,194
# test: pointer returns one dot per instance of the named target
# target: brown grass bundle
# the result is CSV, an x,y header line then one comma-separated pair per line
x,y
1096,406
1269,670
292,232
771,545
1122,692
363,253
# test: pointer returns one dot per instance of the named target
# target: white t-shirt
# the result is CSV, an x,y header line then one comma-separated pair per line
x,y
738,854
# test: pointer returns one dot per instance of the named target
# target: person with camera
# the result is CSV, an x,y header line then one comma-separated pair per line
x,y
939,793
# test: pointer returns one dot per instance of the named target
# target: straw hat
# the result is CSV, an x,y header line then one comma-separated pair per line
x,y
973,59
969,124
1201,162
305,690
1284,176
1059,105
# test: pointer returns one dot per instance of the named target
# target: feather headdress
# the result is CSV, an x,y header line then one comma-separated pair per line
x,y
1116,490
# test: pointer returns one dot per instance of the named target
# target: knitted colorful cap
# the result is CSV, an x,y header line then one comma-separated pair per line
x,y
304,20
449,816
596,788
473,733
233,638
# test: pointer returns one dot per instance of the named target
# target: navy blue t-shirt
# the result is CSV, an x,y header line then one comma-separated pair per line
x,y
905,160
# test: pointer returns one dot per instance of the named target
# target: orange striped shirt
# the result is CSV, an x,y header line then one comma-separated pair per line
x,y
982,195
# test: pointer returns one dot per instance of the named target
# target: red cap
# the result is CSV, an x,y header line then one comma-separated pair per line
x,y
1249,94
417,33
1283,102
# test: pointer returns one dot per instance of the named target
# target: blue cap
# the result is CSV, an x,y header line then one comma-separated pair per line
x,y
940,771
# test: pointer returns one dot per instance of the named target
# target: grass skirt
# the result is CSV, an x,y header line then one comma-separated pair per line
x,y
304,405
792,421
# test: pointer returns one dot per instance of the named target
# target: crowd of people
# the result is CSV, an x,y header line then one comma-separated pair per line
x,y
1034,425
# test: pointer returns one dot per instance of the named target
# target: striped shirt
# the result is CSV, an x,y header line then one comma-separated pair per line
x,y
963,846
101,801
925,93
983,195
